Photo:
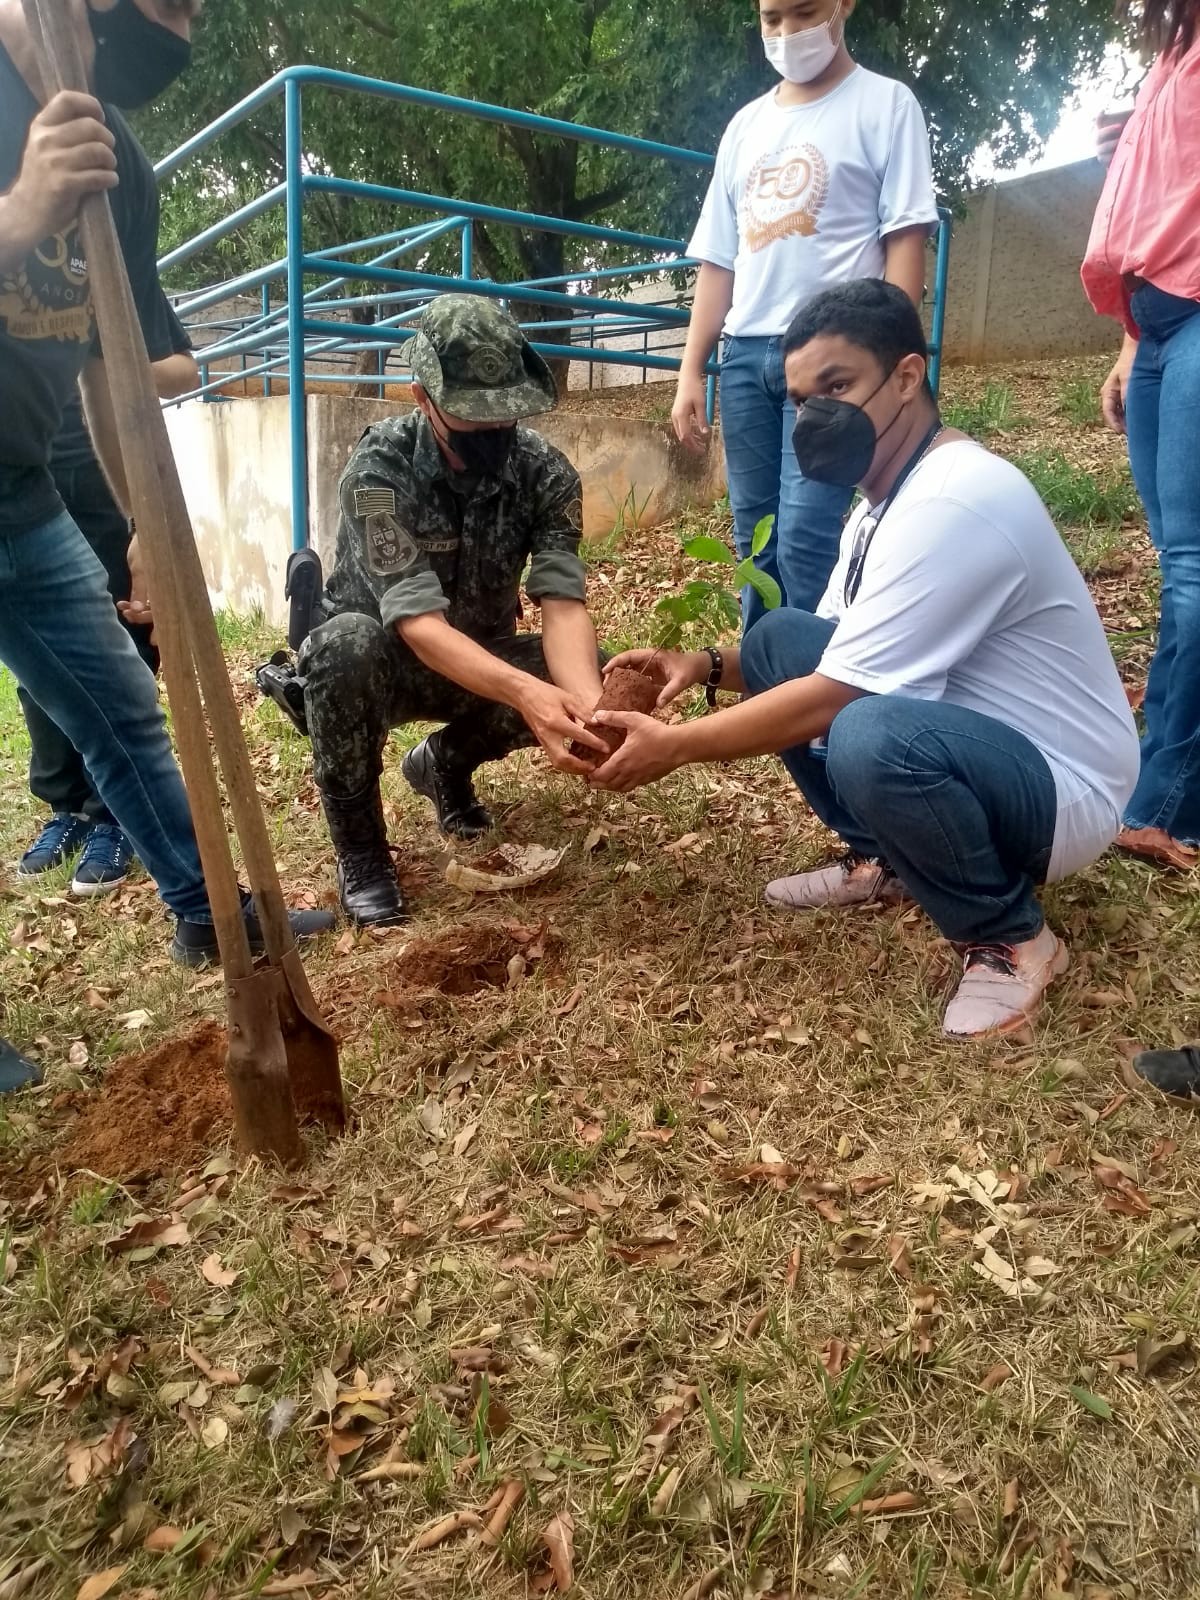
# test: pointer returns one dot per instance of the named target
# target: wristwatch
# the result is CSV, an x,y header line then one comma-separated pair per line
x,y
713,682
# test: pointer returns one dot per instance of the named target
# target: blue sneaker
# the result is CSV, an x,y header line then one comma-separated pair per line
x,y
62,837
105,862
16,1072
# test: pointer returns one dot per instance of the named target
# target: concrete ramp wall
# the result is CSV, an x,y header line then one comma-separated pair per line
x,y
234,460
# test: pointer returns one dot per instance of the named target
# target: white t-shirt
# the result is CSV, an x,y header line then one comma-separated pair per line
x,y
803,197
969,595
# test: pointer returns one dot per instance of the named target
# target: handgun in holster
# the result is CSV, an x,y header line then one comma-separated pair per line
x,y
278,678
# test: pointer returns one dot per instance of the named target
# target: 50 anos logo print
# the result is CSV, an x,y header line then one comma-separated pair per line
x,y
785,195
48,297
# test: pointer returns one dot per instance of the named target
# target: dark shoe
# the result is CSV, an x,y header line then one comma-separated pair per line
x,y
458,808
1174,1073
15,1071
195,943
62,837
367,884
105,862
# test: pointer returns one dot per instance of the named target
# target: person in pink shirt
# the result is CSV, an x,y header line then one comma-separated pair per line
x,y
1143,268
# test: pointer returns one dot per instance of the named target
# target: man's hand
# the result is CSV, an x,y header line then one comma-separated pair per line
x,y
1112,390
137,611
650,751
676,670
689,414
69,154
1110,125
556,718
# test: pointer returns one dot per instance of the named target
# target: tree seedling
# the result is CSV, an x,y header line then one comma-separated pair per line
x,y
705,602
711,604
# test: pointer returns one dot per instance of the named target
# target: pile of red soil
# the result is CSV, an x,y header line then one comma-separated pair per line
x,y
155,1113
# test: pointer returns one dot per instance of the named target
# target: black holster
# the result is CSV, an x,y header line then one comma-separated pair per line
x,y
278,679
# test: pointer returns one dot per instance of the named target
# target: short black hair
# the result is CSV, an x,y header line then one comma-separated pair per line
x,y
875,316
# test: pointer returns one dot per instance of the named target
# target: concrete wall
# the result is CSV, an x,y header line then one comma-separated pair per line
x,y
234,460
1015,292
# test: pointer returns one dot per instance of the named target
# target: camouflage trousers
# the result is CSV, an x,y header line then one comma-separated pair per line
x,y
363,681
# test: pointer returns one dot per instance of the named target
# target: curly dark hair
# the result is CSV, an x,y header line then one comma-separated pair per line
x,y
1164,24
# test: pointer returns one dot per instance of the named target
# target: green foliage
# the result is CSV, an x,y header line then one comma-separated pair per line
x,y
1080,496
993,412
986,71
1080,401
708,604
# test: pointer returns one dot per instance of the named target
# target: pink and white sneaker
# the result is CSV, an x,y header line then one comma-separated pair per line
x,y
1003,984
851,881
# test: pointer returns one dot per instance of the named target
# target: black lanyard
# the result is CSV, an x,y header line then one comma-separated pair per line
x,y
866,535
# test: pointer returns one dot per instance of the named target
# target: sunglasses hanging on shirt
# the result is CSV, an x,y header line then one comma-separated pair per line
x,y
869,526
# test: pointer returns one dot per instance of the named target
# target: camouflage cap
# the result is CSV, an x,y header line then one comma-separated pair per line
x,y
474,362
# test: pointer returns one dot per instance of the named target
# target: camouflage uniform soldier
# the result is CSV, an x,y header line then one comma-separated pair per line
x,y
441,512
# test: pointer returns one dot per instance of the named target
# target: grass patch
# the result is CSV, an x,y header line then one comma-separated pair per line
x,y
1102,497
993,411
533,1257
1079,401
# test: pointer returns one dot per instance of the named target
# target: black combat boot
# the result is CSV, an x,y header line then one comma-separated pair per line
x,y
367,883
441,776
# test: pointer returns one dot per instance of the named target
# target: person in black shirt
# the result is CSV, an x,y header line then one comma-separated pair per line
x,y
60,635
80,824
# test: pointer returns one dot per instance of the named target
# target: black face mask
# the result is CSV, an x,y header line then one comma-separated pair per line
x,y
136,59
835,441
485,452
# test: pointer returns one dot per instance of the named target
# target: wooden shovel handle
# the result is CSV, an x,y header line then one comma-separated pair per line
x,y
135,402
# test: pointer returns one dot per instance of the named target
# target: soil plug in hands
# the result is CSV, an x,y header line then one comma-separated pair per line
x,y
557,718
649,752
675,671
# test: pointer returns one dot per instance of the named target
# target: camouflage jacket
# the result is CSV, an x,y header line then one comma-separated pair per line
x,y
415,537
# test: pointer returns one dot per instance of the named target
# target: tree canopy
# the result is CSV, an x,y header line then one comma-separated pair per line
x,y
991,72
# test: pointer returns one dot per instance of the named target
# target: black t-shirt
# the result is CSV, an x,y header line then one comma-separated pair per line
x,y
47,328
73,444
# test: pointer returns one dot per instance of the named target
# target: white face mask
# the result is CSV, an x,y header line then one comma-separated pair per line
x,y
801,57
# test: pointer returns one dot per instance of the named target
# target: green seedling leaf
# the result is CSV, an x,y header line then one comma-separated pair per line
x,y
728,610
705,548
762,583
1094,1403
762,536
675,608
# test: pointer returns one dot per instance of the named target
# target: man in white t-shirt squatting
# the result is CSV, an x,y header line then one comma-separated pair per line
x,y
825,179
952,710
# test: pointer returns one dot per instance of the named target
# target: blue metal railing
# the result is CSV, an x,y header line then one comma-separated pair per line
x,y
288,337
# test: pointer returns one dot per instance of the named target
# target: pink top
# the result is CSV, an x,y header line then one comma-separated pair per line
x,y
1148,221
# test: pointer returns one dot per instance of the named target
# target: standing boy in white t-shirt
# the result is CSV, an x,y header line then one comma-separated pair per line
x,y
952,709
825,179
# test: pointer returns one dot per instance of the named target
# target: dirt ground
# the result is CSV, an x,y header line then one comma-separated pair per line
x,y
671,1239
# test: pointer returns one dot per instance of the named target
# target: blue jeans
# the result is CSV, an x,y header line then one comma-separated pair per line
x,y
961,806
57,774
62,639
757,419
1162,408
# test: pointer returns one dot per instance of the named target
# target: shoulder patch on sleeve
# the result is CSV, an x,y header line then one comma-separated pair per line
x,y
371,502
391,549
